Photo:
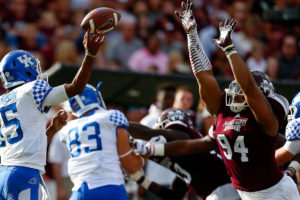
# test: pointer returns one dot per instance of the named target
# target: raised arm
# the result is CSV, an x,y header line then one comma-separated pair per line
x,y
201,66
92,43
255,99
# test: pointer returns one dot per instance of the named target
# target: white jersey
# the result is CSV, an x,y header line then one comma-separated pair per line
x,y
23,139
92,141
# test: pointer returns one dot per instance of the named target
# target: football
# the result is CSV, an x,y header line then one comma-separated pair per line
x,y
105,19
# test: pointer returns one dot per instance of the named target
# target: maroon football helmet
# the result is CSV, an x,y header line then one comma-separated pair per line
x,y
174,117
262,81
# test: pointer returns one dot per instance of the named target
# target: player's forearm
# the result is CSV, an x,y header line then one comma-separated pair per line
x,y
241,73
80,80
198,58
202,69
56,170
50,132
187,147
140,131
132,162
294,166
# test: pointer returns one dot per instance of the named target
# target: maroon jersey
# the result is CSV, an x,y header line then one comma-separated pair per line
x,y
248,152
205,172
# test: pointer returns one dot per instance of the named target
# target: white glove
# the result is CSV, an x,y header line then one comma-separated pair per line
x,y
140,147
158,139
187,18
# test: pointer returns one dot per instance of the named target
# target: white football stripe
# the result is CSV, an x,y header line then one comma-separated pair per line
x,y
116,18
92,25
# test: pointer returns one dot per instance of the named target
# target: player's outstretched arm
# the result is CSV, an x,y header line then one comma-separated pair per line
x,y
201,66
58,121
129,160
294,166
254,97
140,131
92,43
59,94
178,148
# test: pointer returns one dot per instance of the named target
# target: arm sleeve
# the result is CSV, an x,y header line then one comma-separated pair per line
x,y
40,91
292,146
56,96
198,58
292,130
119,119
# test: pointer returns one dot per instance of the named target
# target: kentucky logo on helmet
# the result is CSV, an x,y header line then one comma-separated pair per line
x,y
24,59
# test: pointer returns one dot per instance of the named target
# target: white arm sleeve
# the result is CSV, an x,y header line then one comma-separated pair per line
x,y
56,96
198,58
292,146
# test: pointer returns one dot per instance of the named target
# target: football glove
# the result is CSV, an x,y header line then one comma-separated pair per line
x,y
224,41
187,18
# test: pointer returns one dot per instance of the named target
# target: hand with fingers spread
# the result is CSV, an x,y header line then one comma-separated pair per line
x,y
92,42
187,18
224,41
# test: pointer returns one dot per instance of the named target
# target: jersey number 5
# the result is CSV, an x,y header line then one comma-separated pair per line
x,y
10,121
239,147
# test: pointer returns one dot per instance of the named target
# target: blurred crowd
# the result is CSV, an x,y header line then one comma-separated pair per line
x,y
149,39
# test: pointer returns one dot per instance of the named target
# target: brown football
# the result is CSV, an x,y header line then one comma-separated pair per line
x,y
105,19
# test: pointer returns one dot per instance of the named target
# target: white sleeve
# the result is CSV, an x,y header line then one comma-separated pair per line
x,y
56,96
292,146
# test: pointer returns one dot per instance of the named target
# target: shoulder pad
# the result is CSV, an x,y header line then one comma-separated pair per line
x,y
281,100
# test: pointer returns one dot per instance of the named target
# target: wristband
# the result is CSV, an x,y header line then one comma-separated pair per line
x,y
88,53
146,183
295,165
229,50
290,171
158,149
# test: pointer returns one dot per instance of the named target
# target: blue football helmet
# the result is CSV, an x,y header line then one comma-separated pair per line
x,y
294,108
19,67
91,98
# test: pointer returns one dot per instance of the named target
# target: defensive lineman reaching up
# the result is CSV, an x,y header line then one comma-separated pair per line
x,y
23,109
248,115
